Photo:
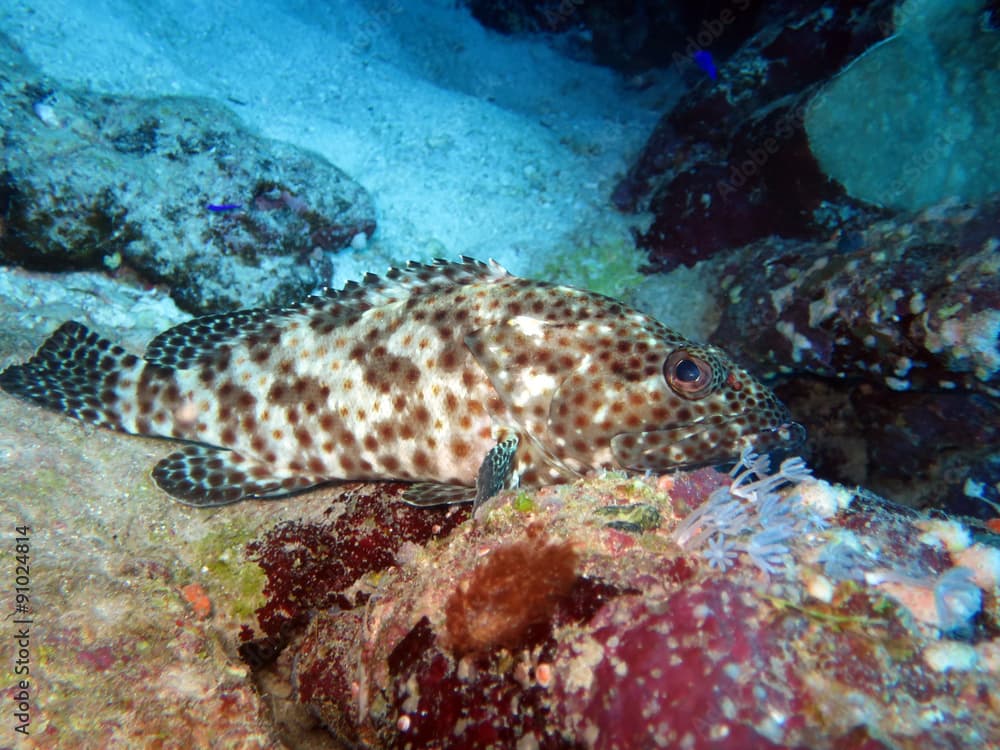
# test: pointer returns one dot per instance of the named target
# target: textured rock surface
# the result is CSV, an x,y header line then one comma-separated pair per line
x,y
638,642
116,656
871,133
856,304
900,323
911,303
926,450
124,184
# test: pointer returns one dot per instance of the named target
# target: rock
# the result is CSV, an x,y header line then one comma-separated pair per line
x,y
901,321
795,181
928,450
116,656
911,303
173,190
731,162
869,127
646,642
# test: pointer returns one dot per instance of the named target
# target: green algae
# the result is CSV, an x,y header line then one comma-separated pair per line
x,y
225,570
523,503
605,261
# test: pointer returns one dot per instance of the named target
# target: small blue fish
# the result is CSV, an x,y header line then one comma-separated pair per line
x,y
224,206
705,62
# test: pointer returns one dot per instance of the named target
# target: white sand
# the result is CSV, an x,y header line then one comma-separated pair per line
x,y
470,142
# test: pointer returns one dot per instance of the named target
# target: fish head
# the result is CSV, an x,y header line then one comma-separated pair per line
x,y
660,404
611,388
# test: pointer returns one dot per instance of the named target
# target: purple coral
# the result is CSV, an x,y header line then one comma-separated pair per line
x,y
750,516
957,598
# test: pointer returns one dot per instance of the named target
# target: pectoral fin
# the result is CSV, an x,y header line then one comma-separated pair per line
x,y
429,494
496,473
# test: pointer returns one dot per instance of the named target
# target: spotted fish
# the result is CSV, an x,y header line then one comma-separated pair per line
x,y
456,377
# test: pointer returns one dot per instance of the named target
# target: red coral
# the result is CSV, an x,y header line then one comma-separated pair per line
x,y
680,655
309,565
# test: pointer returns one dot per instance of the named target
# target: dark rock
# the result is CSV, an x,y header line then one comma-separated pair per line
x,y
925,450
174,190
917,307
891,336
629,35
731,162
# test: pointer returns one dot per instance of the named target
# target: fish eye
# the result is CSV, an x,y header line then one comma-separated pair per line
x,y
687,375
686,371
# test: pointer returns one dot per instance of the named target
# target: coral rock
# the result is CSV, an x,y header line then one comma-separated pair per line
x,y
128,185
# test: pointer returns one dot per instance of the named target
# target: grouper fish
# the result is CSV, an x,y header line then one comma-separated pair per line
x,y
456,377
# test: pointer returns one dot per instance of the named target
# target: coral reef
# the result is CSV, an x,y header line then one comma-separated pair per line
x,y
859,618
909,304
891,333
784,182
310,564
731,162
760,608
347,616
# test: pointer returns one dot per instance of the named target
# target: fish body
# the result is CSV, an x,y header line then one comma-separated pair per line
x,y
454,376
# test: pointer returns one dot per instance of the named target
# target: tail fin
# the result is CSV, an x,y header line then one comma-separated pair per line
x,y
77,372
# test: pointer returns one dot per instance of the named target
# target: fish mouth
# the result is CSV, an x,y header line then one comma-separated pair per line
x,y
700,444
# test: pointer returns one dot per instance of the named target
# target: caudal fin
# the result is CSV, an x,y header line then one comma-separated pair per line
x,y
77,372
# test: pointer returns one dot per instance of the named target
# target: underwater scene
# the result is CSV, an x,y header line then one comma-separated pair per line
x,y
530,374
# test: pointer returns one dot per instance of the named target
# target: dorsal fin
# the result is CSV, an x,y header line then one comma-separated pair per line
x,y
413,280
191,343
186,344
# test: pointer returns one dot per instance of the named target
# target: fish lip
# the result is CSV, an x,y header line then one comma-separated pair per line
x,y
785,437
792,434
